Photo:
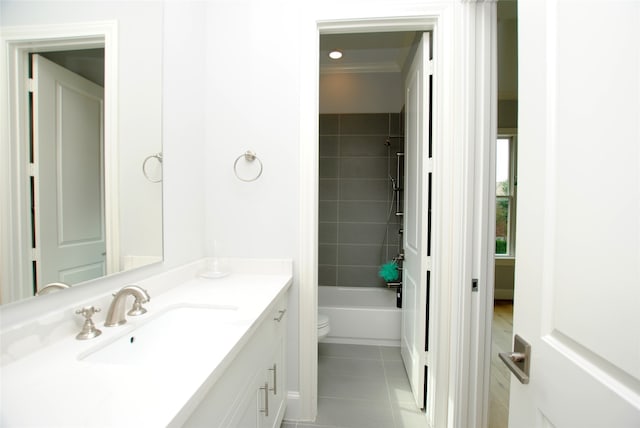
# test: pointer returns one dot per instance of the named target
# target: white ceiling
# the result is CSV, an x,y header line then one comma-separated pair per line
x,y
366,52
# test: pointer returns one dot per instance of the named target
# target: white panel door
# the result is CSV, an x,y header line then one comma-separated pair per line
x,y
68,177
577,297
416,264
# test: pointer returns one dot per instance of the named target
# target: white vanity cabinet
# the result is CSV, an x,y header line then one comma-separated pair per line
x,y
252,390
210,352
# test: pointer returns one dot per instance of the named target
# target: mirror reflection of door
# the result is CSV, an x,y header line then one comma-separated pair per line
x,y
67,175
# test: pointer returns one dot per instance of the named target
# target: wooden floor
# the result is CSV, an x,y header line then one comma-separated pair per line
x,y
502,328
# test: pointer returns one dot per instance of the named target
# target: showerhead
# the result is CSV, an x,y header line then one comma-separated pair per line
x,y
387,142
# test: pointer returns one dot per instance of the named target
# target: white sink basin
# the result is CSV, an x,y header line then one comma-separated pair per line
x,y
183,334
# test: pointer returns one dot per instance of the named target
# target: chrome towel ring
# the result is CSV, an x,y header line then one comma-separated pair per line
x,y
250,157
158,157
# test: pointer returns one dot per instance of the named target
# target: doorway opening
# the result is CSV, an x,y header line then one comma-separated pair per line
x,y
361,213
505,209
504,263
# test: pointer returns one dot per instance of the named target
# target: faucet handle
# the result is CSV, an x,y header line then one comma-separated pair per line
x,y
136,308
89,330
88,311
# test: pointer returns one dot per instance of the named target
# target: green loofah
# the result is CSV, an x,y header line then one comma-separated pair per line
x,y
389,271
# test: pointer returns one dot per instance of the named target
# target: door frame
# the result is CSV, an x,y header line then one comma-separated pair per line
x,y
464,118
15,45
473,306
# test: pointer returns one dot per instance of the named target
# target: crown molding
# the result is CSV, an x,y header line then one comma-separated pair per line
x,y
387,67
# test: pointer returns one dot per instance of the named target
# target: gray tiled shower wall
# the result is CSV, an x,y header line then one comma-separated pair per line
x,y
358,226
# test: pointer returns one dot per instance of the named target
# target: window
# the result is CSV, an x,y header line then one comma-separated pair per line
x,y
505,195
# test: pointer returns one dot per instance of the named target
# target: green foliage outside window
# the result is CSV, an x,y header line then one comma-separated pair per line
x,y
502,225
504,196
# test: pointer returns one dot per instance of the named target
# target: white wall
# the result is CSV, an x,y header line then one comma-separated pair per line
x,y
184,125
252,104
503,284
507,59
252,94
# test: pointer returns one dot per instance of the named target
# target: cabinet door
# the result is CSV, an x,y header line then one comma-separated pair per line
x,y
275,369
247,413
275,375
252,391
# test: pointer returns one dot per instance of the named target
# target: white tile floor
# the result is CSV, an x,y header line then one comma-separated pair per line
x,y
363,386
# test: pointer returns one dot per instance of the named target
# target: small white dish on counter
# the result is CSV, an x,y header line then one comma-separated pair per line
x,y
213,274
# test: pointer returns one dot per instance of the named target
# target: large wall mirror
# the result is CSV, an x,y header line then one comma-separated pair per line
x,y
80,143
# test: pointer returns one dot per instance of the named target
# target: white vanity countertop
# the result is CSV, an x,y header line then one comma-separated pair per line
x,y
52,387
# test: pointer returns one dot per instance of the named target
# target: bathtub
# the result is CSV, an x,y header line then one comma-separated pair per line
x,y
361,315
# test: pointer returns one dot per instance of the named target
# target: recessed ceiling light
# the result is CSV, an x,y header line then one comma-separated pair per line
x,y
335,54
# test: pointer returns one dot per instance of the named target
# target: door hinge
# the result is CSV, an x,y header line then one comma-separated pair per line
x,y
31,85
474,285
430,67
428,164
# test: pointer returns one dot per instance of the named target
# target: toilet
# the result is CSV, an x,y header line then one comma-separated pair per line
x,y
323,326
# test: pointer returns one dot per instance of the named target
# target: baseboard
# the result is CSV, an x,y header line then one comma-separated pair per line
x,y
292,414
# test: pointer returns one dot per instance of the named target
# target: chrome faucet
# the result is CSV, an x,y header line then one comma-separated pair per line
x,y
115,315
